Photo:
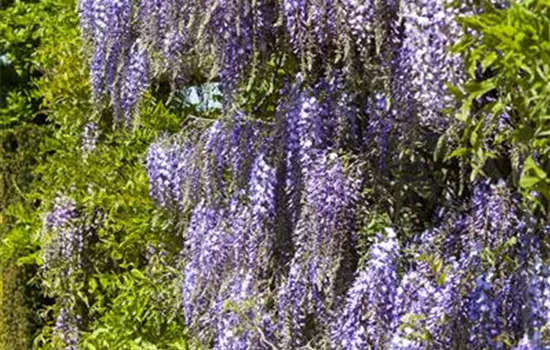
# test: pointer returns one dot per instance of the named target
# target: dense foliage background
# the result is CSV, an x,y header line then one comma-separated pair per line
x,y
309,174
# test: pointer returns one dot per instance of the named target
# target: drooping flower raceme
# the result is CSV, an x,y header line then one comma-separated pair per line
x,y
424,306
368,314
136,80
262,197
159,172
322,239
66,329
133,41
424,63
484,312
67,235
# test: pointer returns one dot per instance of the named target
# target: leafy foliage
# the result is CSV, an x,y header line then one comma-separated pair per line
x,y
504,112
44,159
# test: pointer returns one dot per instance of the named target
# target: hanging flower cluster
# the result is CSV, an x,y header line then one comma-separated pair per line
x,y
271,244
67,241
260,196
67,236
66,328
423,61
133,41
68,232
271,257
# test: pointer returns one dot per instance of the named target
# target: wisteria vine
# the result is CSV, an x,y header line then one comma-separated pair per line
x,y
273,255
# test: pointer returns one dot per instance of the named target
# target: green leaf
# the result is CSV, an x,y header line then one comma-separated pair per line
x,y
92,282
488,60
459,152
529,182
531,166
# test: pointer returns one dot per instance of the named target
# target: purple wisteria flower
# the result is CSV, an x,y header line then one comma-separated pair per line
x,y
215,152
529,343
235,37
65,234
379,126
63,212
293,299
65,238
538,297
424,306
66,329
322,239
241,324
95,22
296,13
484,314
119,14
368,314
243,137
424,62
203,259
159,173
136,80
360,17
262,197
494,216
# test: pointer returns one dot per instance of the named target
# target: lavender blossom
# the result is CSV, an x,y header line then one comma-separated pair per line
x,y
424,62
368,314
136,80
66,329
159,173
379,126
295,12
262,196
360,17
484,314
